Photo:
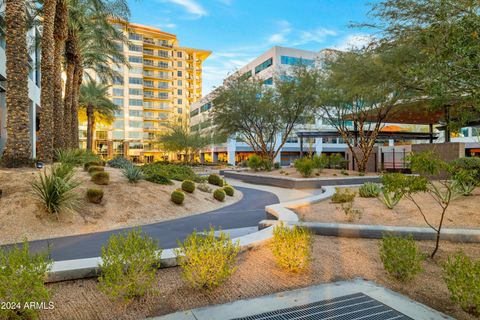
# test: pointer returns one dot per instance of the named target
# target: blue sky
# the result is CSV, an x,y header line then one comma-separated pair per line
x,y
237,31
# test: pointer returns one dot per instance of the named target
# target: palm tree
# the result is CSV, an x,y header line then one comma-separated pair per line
x,y
94,99
18,146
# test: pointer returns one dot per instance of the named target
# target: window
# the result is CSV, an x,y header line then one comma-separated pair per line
x,y
179,64
118,113
295,61
264,65
179,110
163,85
179,83
136,92
163,95
118,124
206,107
133,80
117,92
135,145
118,135
179,73
162,53
268,82
246,75
179,54
135,59
179,92
135,124
194,113
134,36
118,101
136,70
135,102
179,101
135,113
134,135
117,80
135,48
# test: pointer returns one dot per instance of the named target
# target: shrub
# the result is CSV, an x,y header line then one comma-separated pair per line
x,y
467,163
101,178
277,165
55,189
95,195
177,197
337,161
22,277
170,171
342,196
229,190
369,190
75,157
158,178
462,276
219,194
351,213
92,169
87,165
204,188
390,199
292,247
320,162
221,183
305,166
129,262
207,260
255,162
214,179
397,185
132,173
188,186
118,162
345,173
267,165
401,257
465,181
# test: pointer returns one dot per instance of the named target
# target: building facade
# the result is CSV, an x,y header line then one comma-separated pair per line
x,y
163,80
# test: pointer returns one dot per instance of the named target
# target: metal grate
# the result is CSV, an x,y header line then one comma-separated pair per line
x,y
350,307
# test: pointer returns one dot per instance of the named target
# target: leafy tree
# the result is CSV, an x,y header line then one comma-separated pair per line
x,y
180,139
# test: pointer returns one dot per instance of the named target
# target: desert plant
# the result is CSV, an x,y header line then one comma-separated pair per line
x,y
255,162
401,257
87,165
276,165
465,181
129,262
188,186
118,162
158,178
467,163
94,195
343,195
75,157
345,173
132,173
171,171
462,276
207,259
390,200
214,179
219,194
336,161
101,178
292,247
229,191
304,166
369,190
177,197
221,183
55,189
22,277
320,162
93,168
204,187
352,214
398,185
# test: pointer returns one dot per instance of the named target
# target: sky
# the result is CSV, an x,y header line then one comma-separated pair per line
x,y
237,31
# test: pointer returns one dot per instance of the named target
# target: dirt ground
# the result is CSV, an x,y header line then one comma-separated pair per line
x,y
334,259
291,172
124,204
462,212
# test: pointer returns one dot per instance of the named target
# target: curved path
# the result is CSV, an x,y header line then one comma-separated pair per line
x,y
245,213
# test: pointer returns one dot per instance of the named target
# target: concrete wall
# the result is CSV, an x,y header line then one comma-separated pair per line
x,y
446,151
353,165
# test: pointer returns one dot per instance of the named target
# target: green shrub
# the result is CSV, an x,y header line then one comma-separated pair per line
x,y
465,181
462,276
118,162
188,186
369,190
214,179
390,199
95,195
87,165
55,189
342,196
75,157
255,162
221,183
204,188
158,178
305,166
92,169
219,194
132,173
101,178
276,165
401,257
22,276
337,161
267,165
170,171
229,190
207,260
320,162
292,247
352,214
467,163
177,197
129,262
345,173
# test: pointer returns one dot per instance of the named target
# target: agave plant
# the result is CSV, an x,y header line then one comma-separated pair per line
x,y
132,173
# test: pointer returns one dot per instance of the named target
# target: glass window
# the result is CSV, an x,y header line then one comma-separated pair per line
x,y
135,113
119,124
135,102
264,65
136,70
179,64
135,135
136,92
205,107
117,92
179,101
117,80
118,113
118,135
134,36
295,61
179,73
194,113
135,59
179,54
179,110
179,92
135,124
179,83
246,75
135,48
268,82
133,80
118,101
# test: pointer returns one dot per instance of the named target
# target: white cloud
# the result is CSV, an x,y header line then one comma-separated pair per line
x,y
191,6
277,38
318,36
171,25
353,41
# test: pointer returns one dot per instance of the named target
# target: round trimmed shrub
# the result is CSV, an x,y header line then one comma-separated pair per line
x,y
229,191
219,194
221,183
177,197
93,169
188,186
214,179
89,164
101,178
95,195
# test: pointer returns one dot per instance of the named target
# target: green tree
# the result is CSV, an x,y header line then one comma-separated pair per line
x,y
94,99
181,140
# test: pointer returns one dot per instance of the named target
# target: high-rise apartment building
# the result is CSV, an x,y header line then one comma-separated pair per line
x,y
163,80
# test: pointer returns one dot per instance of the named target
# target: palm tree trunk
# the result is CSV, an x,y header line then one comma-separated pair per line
x,y
45,137
90,120
77,81
70,54
60,35
18,146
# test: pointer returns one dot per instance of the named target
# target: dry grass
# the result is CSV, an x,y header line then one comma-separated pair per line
x,y
334,259
124,204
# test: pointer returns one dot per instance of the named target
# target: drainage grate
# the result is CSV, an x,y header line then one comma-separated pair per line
x,y
351,307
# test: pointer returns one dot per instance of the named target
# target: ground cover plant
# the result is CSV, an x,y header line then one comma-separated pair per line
x,y
170,171
343,195
292,247
75,157
118,162
401,257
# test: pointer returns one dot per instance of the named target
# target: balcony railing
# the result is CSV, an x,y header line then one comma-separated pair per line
x,y
155,96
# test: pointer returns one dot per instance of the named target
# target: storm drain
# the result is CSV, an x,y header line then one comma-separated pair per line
x,y
350,307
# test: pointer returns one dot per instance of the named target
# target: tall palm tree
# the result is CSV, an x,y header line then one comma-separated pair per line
x,y
18,146
94,99
45,134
